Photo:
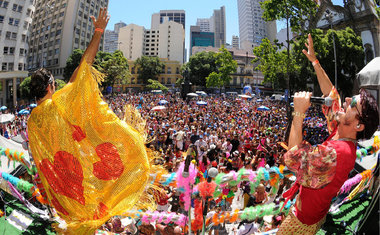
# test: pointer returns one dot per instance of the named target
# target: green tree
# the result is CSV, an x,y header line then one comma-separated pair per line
x,y
297,11
349,51
272,63
148,68
72,63
200,66
115,68
74,59
226,65
156,85
25,89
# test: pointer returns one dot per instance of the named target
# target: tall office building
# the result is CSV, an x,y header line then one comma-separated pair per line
x,y
59,27
204,24
235,42
216,24
111,38
172,15
167,41
252,27
15,20
199,38
219,26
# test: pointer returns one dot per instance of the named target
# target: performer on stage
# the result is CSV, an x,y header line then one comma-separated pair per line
x,y
92,165
322,170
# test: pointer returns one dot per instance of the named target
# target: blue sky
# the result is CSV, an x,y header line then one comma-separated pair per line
x,y
139,12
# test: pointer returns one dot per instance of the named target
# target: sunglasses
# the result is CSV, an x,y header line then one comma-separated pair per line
x,y
354,104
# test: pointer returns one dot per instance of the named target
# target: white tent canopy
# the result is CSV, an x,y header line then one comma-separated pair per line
x,y
369,78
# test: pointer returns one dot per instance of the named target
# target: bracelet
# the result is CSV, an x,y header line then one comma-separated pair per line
x,y
102,30
298,114
315,62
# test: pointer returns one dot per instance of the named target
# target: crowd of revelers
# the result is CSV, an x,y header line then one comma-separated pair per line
x,y
228,133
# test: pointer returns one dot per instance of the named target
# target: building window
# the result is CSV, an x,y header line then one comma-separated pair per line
x,y
1,19
5,4
10,21
22,50
20,66
17,22
5,50
4,67
10,66
8,35
11,50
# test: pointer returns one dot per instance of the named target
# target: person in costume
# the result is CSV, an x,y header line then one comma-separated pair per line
x,y
92,164
322,170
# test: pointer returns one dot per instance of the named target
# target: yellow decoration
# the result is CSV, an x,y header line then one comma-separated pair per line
x,y
93,165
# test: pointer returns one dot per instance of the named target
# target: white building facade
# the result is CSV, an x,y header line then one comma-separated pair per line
x,y
60,27
15,20
166,42
252,27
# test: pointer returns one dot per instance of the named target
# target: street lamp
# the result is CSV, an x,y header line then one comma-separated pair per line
x,y
329,17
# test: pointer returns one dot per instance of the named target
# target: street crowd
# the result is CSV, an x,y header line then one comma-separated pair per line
x,y
228,133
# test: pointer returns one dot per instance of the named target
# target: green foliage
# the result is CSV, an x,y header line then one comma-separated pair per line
x,y
273,63
156,85
349,51
226,65
72,63
60,84
200,66
115,67
377,7
149,68
25,89
297,11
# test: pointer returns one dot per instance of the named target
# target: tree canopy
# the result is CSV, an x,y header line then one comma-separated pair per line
x,y
72,63
115,67
200,66
226,65
350,60
156,85
148,68
299,12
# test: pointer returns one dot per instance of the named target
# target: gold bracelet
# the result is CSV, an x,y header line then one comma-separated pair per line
x,y
298,114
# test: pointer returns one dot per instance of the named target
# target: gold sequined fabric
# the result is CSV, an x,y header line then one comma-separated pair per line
x,y
92,165
292,226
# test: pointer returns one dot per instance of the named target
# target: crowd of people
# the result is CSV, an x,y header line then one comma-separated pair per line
x,y
228,133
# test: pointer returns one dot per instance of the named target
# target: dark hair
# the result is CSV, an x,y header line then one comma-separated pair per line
x,y
39,82
369,116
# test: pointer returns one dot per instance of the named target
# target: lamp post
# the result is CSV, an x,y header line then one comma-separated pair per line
x,y
329,17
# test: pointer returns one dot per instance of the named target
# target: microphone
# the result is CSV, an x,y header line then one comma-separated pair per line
x,y
319,100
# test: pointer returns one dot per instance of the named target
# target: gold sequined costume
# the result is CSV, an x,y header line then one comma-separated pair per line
x,y
93,165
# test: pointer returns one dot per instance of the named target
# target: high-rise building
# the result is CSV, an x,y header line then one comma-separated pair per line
x,y
166,42
219,26
204,24
235,42
111,38
15,20
172,15
59,27
252,27
216,24
202,39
